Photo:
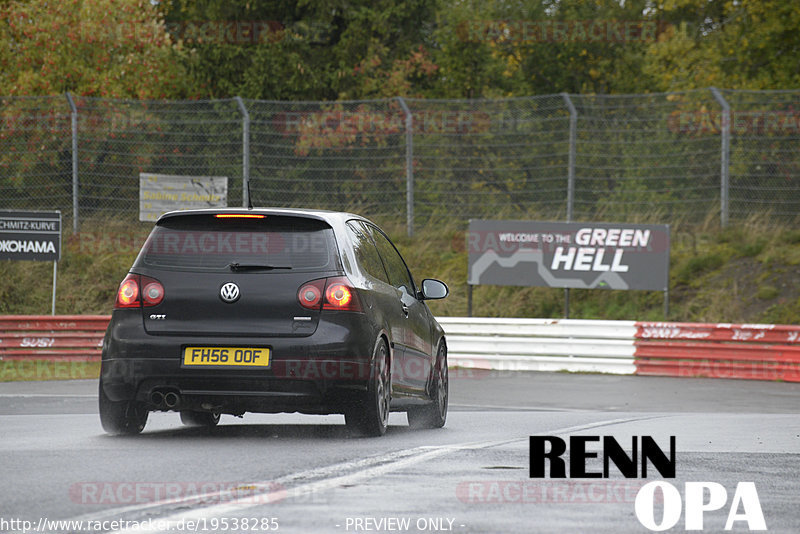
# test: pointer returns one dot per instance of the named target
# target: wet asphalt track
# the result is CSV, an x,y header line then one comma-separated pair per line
x,y
293,473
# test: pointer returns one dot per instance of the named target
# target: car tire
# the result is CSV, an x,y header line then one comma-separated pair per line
x,y
371,417
434,415
122,417
206,419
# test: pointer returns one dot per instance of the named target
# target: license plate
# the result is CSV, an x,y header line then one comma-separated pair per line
x,y
225,357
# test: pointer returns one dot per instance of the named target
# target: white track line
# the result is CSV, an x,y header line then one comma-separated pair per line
x,y
485,407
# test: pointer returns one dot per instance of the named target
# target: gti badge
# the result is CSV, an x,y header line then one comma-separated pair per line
x,y
229,292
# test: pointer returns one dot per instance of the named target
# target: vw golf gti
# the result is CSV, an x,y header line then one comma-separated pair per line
x,y
229,311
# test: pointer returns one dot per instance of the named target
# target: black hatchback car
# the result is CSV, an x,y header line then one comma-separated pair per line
x,y
272,310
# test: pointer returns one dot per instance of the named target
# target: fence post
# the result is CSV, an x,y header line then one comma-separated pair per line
x,y
573,132
245,153
573,136
726,155
74,120
409,166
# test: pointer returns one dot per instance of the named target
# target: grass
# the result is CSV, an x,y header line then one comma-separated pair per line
x,y
30,370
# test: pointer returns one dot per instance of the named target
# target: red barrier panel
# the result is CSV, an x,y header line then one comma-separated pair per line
x,y
718,351
762,333
46,337
34,323
757,351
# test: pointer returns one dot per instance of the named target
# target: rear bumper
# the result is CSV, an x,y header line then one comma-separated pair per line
x,y
320,373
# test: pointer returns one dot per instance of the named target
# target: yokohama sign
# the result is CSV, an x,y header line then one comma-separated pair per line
x,y
30,235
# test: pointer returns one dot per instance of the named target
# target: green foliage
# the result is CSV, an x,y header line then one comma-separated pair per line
x,y
491,49
744,45
281,50
742,244
792,237
767,292
302,50
691,268
107,48
784,313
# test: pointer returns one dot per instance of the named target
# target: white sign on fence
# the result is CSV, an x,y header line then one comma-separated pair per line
x,y
160,193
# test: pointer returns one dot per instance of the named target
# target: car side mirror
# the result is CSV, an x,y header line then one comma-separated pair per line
x,y
434,289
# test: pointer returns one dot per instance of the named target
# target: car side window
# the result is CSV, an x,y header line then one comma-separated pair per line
x,y
366,253
399,276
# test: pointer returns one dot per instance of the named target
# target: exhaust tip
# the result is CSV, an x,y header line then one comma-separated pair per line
x,y
157,398
171,399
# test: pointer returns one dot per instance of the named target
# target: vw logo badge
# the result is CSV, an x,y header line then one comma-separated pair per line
x,y
229,292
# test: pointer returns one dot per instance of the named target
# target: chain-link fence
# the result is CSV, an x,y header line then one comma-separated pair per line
x,y
490,158
332,155
631,159
35,153
662,157
118,139
764,152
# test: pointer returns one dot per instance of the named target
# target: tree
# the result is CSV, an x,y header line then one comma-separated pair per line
x,y
106,48
530,47
300,50
743,44
470,65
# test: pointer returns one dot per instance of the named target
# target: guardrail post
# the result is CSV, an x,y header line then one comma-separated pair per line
x,y
409,166
725,162
245,153
74,121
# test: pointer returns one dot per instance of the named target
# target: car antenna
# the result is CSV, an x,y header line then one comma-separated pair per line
x,y
249,198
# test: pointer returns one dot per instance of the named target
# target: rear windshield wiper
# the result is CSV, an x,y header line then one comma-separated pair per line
x,y
236,266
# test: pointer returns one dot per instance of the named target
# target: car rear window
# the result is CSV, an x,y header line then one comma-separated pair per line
x,y
207,242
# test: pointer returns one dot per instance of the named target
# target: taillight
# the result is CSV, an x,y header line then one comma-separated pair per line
x,y
153,293
310,295
340,295
130,294
329,294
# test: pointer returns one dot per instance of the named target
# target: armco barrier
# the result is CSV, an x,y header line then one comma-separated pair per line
x,y
766,352
541,344
47,337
